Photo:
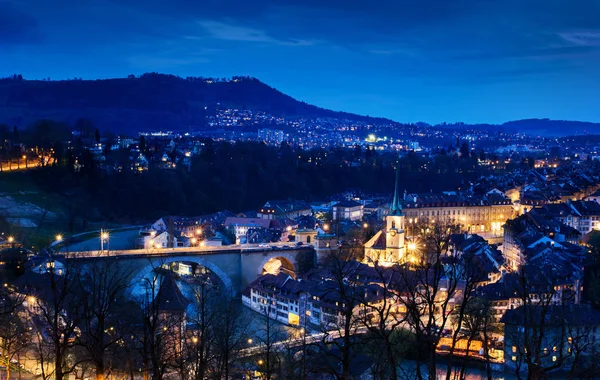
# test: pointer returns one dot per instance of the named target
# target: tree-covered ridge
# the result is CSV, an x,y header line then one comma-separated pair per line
x,y
148,102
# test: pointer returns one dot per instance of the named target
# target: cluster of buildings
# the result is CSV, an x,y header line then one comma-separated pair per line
x,y
535,260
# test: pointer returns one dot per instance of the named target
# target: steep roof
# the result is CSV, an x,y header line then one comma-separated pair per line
x,y
572,314
169,296
396,208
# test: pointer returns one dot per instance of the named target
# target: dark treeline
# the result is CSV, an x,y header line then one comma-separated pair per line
x,y
150,101
240,177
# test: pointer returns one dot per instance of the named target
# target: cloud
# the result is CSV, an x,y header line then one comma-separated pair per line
x,y
232,32
582,38
16,27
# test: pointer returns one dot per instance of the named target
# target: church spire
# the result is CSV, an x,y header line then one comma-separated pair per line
x,y
396,208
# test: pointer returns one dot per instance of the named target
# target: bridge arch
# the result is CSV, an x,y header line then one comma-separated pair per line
x,y
275,263
146,269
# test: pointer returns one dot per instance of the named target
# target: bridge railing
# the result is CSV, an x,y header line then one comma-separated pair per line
x,y
184,250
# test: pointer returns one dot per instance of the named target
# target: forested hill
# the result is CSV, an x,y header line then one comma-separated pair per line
x,y
148,102
533,127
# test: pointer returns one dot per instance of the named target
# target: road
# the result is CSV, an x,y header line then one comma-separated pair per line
x,y
184,250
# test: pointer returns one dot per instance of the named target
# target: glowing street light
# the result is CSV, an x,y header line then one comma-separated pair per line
x,y
194,241
104,236
249,340
59,238
11,239
326,227
260,362
366,225
412,246
195,339
198,231
289,228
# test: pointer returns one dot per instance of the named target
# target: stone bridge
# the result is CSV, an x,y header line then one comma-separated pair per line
x,y
236,266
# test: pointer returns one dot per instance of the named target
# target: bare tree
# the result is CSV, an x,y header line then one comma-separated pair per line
x,y
229,332
201,348
102,288
430,291
268,335
14,335
382,315
540,331
60,309
339,299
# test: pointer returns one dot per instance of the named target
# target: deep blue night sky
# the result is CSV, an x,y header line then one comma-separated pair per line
x,y
410,60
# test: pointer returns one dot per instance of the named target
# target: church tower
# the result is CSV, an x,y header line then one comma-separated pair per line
x,y
386,247
395,227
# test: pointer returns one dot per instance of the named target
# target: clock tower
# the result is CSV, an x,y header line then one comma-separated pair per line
x,y
395,228
386,247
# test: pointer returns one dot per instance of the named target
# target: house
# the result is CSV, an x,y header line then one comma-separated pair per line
x,y
161,239
551,335
283,209
594,197
348,209
548,283
241,226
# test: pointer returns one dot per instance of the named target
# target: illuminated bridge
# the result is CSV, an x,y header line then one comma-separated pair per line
x,y
235,265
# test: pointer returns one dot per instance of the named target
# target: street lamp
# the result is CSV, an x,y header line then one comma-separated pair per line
x,y
250,341
198,231
11,239
194,241
104,236
366,225
326,227
412,246
59,238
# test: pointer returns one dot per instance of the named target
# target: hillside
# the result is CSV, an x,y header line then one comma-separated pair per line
x,y
533,127
148,102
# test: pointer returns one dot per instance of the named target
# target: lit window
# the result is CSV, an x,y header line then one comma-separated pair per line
x,y
514,348
554,358
514,358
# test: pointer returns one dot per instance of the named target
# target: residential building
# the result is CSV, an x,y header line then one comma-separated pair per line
x,y
473,213
348,209
551,336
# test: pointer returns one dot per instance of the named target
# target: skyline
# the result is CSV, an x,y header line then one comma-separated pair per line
x,y
435,62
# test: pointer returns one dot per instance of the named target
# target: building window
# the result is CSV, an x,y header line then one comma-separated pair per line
x,y
514,348
554,358
514,358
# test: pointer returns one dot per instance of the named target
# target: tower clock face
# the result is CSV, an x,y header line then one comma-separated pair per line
x,y
393,232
